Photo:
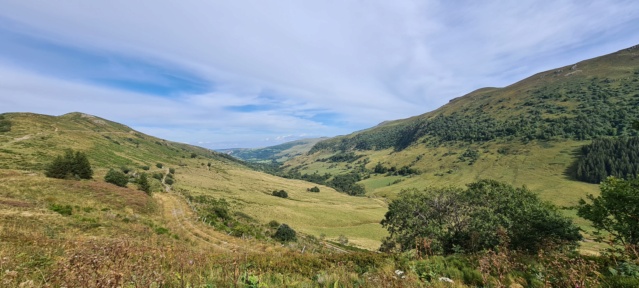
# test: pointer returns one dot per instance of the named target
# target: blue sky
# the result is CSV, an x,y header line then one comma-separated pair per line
x,y
224,74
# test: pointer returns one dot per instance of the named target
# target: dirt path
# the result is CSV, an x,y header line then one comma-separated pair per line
x,y
181,218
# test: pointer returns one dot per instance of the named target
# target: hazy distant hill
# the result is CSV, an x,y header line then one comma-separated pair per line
x,y
528,133
277,153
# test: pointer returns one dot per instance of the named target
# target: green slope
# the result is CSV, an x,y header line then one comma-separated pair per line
x,y
33,140
527,133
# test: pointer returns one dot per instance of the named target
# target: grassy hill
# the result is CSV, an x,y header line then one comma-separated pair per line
x,y
44,221
528,133
277,153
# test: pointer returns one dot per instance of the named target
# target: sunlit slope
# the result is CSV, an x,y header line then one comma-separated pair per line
x,y
34,140
328,212
527,133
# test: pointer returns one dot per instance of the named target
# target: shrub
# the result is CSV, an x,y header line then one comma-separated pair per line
x,y
65,210
281,194
125,169
169,181
116,177
143,184
158,176
159,165
273,224
193,155
71,165
172,170
314,189
146,168
342,240
285,233
5,124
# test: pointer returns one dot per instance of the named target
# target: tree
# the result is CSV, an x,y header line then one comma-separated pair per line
x,y
143,183
616,210
314,189
116,177
285,233
71,165
453,219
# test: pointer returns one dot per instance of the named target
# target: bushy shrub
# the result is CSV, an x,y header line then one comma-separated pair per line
x,y
285,233
116,177
281,194
5,124
314,189
71,165
143,183
65,210
168,181
273,224
172,170
159,165
145,167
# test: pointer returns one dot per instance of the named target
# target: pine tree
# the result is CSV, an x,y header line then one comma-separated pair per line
x,y
143,183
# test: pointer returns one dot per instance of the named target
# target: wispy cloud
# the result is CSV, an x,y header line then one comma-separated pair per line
x,y
233,73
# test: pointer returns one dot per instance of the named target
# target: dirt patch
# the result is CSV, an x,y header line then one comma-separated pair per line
x,y
16,203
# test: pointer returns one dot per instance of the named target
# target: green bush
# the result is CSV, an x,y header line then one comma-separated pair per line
x,y
65,210
5,124
619,281
172,170
273,224
145,168
71,165
168,181
285,233
159,165
143,183
281,194
116,177
314,189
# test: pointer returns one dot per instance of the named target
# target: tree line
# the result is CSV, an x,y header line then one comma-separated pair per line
x,y
599,107
617,157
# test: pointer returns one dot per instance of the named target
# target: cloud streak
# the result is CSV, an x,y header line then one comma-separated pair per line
x,y
237,72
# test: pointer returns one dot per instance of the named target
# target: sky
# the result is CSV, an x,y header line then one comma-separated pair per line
x,y
255,73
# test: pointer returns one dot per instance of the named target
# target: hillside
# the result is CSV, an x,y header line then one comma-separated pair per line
x,y
529,133
277,153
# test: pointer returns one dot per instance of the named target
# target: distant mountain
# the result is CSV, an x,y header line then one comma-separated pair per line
x,y
528,133
278,153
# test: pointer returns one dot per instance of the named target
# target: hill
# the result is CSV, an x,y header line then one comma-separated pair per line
x,y
277,153
528,133
214,203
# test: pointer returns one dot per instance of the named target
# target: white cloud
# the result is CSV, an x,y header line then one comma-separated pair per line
x,y
363,61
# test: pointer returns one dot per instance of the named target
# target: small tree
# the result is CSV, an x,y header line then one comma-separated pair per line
x,y
116,177
314,189
285,233
616,210
143,183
